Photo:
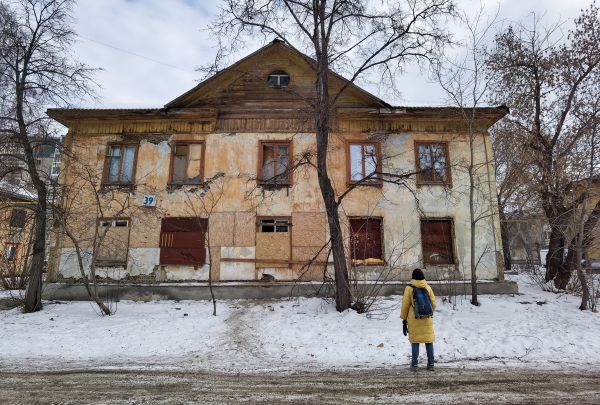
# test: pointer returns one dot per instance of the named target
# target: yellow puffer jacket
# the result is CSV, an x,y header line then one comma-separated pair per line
x,y
419,330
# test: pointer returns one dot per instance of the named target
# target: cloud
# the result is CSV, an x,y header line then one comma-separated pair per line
x,y
149,49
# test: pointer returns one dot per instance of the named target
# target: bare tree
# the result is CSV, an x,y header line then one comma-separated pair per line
x,y
514,190
543,76
36,69
464,81
202,203
351,36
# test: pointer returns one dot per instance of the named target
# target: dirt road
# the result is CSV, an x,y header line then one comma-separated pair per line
x,y
349,387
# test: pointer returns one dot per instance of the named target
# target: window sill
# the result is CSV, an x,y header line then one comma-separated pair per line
x,y
118,186
360,183
274,185
438,264
110,263
179,186
368,262
434,183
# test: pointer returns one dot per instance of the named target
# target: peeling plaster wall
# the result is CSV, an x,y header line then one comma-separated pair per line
x,y
141,262
232,224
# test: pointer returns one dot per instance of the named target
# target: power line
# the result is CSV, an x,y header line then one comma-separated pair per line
x,y
134,54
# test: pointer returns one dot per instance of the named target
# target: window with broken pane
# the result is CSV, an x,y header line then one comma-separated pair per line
x,y
273,225
120,163
363,162
432,163
275,163
187,163
112,242
10,252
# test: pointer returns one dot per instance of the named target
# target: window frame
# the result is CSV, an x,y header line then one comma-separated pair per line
x,y
375,181
8,245
448,172
279,74
260,164
106,169
172,163
112,224
259,224
452,240
382,245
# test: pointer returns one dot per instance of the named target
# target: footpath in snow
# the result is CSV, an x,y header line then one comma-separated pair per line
x,y
534,329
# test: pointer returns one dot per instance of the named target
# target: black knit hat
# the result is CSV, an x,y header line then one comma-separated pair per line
x,y
418,274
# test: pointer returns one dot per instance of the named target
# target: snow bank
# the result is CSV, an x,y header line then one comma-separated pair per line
x,y
535,328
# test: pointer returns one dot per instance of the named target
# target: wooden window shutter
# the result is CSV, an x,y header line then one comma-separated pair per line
x,y
436,239
182,241
17,218
365,238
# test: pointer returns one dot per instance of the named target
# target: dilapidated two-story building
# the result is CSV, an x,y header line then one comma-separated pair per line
x,y
221,182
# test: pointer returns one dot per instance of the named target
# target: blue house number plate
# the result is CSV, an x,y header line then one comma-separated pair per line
x,y
149,201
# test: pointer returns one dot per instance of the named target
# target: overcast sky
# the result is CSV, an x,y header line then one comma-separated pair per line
x,y
149,49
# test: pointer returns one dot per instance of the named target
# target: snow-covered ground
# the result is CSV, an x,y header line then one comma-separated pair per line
x,y
534,329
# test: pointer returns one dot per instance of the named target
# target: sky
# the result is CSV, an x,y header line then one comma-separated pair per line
x,y
149,50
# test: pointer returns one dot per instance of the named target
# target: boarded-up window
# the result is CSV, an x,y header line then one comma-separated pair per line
x,y
363,162
436,238
273,240
365,238
112,243
119,165
433,166
17,218
182,240
187,163
274,162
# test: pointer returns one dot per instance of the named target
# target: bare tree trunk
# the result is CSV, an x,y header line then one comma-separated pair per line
x,y
504,234
343,298
33,294
579,244
585,291
473,221
323,110
555,264
210,269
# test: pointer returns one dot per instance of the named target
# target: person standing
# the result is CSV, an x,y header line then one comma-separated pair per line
x,y
418,304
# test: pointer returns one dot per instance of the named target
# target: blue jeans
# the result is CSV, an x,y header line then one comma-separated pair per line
x,y
415,354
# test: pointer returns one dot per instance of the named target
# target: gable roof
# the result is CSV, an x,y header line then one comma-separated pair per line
x,y
241,90
187,98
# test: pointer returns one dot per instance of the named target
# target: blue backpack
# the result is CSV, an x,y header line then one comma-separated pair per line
x,y
421,303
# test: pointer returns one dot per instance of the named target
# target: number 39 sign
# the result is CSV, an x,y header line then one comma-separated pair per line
x,y
149,201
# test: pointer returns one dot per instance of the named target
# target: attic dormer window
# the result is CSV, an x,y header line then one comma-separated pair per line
x,y
278,79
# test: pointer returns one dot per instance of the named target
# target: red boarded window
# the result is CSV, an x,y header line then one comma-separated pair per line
x,y
182,240
365,238
436,238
